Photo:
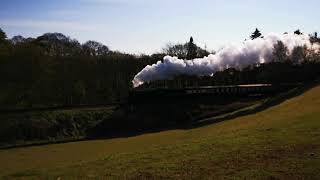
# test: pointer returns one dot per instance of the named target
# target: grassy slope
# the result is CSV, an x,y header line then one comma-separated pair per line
x,y
280,142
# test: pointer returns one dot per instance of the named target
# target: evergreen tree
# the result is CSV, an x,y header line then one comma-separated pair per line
x,y
192,49
314,38
4,45
3,36
256,34
298,32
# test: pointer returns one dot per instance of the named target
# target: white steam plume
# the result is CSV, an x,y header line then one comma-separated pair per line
x,y
250,52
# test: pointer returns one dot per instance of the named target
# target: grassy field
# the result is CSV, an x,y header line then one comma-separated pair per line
x,y
281,142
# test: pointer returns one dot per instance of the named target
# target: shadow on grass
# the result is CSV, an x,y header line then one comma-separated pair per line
x,y
271,101
24,174
267,103
278,99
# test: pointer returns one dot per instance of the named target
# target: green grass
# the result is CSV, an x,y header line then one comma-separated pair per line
x,y
281,142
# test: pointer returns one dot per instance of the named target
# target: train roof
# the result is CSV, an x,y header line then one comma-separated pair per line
x,y
203,87
226,86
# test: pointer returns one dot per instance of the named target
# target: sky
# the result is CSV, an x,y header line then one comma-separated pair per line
x,y
146,26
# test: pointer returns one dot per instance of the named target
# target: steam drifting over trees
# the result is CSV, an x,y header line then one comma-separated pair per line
x,y
270,48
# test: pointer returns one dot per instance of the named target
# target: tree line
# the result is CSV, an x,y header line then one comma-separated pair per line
x,y
55,70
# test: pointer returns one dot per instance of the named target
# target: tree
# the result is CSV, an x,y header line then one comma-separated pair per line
x,y
188,50
4,44
280,52
192,49
177,50
255,34
93,48
298,54
57,44
314,38
3,36
17,39
298,32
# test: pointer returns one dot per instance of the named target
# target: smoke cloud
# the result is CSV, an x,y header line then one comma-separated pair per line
x,y
237,56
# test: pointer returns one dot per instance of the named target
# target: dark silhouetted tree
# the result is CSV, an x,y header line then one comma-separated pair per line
x,y
94,48
57,44
280,52
3,35
299,54
4,45
314,38
188,50
17,39
178,50
192,49
298,32
256,34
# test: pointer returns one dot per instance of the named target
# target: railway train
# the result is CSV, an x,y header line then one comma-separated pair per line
x,y
160,94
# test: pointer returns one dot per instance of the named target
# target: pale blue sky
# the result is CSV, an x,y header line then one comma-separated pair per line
x,y
145,26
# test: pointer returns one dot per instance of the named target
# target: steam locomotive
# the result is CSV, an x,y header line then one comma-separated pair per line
x,y
164,93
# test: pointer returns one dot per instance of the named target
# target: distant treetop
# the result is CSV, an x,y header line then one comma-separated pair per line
x,y
3,35
17,39
192,49
191,39
298,32
188,50
256,34
94,48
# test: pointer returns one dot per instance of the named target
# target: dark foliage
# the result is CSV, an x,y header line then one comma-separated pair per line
x,y
49,126
55,70
188,50
3,35
192,49
314,38
280,52
298,32
256,34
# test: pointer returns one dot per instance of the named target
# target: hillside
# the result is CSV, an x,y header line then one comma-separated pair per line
x,y
280,142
